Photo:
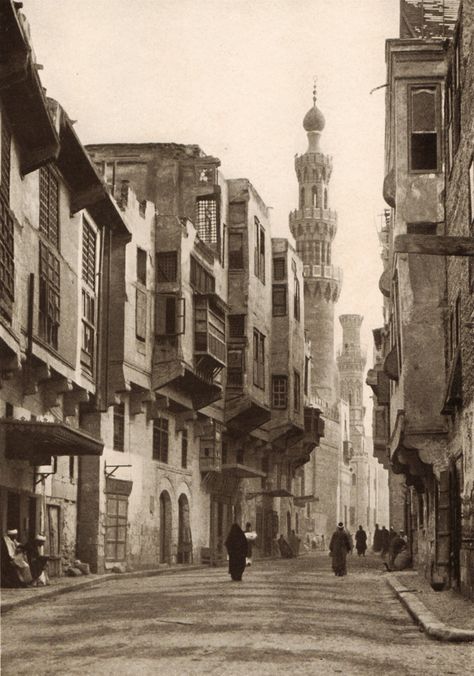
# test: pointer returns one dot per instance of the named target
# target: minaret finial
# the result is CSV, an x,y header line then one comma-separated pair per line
x,y
315,89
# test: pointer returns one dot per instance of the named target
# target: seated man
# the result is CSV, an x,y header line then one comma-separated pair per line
x,y
285,549
14,566
398,555
37,561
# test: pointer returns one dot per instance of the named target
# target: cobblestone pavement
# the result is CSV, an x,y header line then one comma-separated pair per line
x,y
291,616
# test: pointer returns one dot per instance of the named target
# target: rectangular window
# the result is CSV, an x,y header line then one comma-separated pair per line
x,y
258,359
166,266
206,219
259,251
49,206
140,314
201,280
5,158
184,449
88,328
72,467
424,123
89,246
141,266
235,367
279,391
49,295
236,251
236,326
296,391
306,374
279,300
7,265
170,315
119,427
296,300
279,269
160,439
116,527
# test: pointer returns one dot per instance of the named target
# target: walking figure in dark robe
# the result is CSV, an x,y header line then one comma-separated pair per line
x,y
361,541
377,544
339,546
384,542
237,548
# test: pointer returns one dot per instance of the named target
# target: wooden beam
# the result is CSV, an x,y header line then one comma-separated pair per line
x,y
434,245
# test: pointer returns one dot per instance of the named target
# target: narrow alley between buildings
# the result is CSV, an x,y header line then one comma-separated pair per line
x,y
286,616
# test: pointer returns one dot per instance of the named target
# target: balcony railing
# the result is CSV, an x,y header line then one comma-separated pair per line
x,y
313,213
323,271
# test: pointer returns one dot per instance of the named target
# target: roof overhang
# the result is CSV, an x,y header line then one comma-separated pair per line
x,y
38,441
23,97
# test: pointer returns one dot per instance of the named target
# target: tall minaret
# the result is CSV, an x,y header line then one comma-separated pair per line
x,y
314,225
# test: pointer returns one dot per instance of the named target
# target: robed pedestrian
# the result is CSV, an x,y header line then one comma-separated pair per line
x,y
361,541
377,543
384,541
339,547
237,548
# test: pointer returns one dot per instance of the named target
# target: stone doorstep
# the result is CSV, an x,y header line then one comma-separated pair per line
x,y
425,618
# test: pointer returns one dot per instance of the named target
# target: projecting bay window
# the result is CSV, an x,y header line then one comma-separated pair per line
x,y
279,269
258,359
424,123
89,246
207,220
209,331
202,281
49,295
7,266
170,315
279,300
279,392
259,251
236,326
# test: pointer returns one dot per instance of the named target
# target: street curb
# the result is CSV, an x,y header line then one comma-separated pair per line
x,y
91,582
425,618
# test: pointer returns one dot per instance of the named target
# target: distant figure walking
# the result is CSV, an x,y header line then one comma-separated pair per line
x,y
361,541
250,536
339,546
237,548
285,549
377,544
294,543
384,541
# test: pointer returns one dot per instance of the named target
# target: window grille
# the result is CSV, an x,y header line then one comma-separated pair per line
x,y
160,439
279,269
235,367
119,426
206,220
236,326
49,296
201,279
279,391
49,205
88,254
7,265
116,527
279,300
5,161
259,251
88,327
166,266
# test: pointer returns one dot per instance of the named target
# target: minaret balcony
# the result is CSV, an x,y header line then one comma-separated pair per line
x,y
322,272
313,214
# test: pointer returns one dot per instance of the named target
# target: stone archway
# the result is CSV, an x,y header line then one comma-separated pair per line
x,y
165,527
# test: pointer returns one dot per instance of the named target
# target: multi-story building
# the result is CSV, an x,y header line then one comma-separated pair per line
x,y
57,227
423,415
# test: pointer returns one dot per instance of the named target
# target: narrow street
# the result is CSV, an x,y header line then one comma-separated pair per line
x,y
287,616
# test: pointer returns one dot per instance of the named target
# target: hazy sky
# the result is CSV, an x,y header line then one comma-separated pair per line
x,y
235,77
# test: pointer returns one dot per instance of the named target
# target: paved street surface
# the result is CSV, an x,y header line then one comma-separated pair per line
x,y
291,616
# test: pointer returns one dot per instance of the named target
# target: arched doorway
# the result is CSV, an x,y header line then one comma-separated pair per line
x,y
185,542
165,527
